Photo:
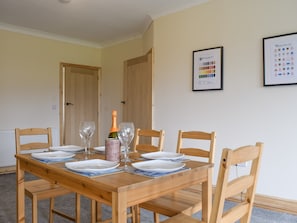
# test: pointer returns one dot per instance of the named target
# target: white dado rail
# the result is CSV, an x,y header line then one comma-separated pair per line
x,y
7,146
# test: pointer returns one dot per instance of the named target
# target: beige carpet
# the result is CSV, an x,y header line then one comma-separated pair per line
x,y
8,208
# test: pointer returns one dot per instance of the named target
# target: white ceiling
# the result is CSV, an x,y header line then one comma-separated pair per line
x,y
92,22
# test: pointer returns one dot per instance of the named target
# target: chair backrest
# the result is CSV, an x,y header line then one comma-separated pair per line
x,y
229,186
32,139
208,149
149,135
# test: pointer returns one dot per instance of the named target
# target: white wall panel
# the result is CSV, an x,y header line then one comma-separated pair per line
x,y
7,146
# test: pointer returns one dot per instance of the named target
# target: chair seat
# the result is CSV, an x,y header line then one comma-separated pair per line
x,y
43,189
183,201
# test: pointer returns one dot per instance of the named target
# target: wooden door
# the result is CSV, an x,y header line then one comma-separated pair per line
x,y
80,87
137,103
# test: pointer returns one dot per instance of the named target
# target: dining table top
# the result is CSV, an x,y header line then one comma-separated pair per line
x,y
120,189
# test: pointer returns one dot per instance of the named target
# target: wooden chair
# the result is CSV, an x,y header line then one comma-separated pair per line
x,y
142,143
143,140
185,201
230,186
40,189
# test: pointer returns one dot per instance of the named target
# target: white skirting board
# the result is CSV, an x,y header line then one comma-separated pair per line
x,y
7,146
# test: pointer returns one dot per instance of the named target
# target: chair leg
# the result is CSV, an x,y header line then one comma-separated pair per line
x,y
96,212
77,209
93,211
135,213
133,219
34,210
156,217
51,207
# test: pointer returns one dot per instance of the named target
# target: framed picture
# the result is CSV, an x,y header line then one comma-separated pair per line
x,y
280,60
208,69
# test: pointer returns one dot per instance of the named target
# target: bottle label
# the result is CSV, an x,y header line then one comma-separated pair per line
x,y
112,149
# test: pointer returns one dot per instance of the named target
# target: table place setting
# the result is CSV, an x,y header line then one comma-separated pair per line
x,y
157,168
93,167
53,157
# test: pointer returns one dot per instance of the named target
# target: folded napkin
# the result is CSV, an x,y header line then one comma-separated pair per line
x,y
154,174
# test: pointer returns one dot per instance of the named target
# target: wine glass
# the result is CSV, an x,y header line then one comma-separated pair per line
x,y
86,131
126,134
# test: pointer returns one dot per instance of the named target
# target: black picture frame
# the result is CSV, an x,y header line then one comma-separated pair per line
x,y
280,60
208,69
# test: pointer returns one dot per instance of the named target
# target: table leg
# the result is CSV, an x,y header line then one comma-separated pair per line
x,y
20,195
119,207
207,197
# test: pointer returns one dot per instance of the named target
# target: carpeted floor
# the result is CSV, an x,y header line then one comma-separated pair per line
x,y
8,208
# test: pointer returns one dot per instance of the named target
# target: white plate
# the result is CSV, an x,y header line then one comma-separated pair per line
x,y
91,166
67,148
56,155
161,166
162,156
102,148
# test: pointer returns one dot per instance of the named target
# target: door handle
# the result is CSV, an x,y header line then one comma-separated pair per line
x,y
123,102
69,103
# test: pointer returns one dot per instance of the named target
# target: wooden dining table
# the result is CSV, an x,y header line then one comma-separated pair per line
x,y
121,189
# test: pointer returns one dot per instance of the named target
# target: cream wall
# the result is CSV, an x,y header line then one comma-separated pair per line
x,y
244,112
29,82
29,78
148,38
113,58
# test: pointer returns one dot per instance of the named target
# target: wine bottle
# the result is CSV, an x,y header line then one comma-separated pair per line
x,y
112,143
113,133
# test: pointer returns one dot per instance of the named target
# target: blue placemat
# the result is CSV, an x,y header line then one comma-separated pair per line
x,y
55,160
155,174
99,173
